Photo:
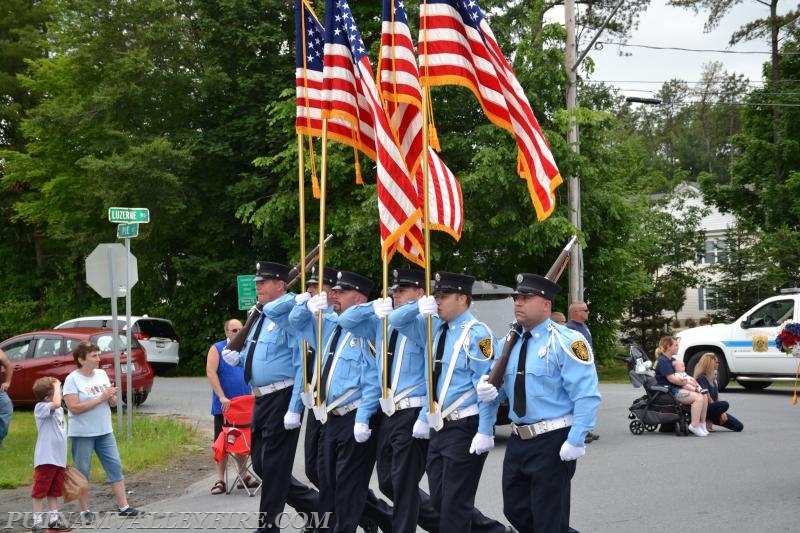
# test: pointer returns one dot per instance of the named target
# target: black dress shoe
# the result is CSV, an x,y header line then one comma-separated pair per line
x,y
590,437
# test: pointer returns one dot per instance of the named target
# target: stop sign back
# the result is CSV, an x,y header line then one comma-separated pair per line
x,y
98,269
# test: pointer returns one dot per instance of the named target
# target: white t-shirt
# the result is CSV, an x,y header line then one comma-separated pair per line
x,y
51,444
97,420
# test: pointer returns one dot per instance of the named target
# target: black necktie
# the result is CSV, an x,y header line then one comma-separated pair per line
x,y
519,382
248,362
390,352
437,362
310,354
323,384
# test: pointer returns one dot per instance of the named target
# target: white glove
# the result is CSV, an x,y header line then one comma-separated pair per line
x,y
361,432
291,420
486,391
481,444
421,430
231,357
570,453
302,298
427,305
318,302
382,307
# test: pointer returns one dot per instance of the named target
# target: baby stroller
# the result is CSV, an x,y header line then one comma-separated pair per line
x,y
657,407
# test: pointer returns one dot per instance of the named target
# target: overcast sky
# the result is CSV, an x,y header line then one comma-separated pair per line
x,y
663,26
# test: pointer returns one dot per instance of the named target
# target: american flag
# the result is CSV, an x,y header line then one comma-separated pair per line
x,y
349,79
309,57
457,47
401,90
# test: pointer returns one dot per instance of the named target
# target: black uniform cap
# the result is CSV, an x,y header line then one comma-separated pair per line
x,y
350,281
537,285
328,278
408,277
267,270
453,282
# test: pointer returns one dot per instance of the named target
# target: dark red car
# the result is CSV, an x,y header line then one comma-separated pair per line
x,y
49,353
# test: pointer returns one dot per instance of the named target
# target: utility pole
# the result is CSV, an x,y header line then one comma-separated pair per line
x,y
574,184
572,62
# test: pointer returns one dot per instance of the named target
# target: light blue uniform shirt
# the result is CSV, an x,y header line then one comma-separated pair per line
x,y
560,379
275,353
470,361
355,369
362,322
278,312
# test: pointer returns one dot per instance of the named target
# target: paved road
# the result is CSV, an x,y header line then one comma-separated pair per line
x,y
653,482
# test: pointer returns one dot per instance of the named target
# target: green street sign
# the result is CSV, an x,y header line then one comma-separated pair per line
x,y
246,288
129,215
127,231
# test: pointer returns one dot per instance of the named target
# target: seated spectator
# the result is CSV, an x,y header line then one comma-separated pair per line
x,y
665,376
706,374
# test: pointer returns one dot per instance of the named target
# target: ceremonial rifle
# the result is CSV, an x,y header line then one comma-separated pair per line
x,y
237,343
499,369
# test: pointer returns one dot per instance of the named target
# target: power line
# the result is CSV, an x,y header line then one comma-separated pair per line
x,y
682,49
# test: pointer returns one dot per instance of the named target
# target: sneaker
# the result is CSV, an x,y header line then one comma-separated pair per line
x,y
700,432
86,517
58,525
130,511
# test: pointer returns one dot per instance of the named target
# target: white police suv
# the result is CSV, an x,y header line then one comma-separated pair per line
x,y
746,348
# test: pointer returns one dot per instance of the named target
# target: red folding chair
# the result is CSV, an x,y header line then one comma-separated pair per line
x,y
235,440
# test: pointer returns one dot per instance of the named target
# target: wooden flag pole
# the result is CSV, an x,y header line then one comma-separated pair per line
x,y
426,226
301,174
385,325
323,190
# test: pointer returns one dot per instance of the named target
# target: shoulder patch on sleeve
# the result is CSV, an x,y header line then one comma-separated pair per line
x,y
580,351
487,348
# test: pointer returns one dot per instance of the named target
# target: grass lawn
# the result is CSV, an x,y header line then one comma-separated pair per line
x,y
155,441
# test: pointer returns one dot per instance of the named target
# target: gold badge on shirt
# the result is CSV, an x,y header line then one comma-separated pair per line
x,y
485,345
580,350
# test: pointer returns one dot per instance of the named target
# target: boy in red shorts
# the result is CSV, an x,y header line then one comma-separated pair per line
x,y
50,454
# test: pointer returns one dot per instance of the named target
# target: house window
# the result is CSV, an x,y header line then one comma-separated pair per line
x,y
716,252
708,298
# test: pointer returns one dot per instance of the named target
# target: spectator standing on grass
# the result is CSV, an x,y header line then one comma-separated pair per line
x,y
578,316
50,453
6,407
89,396
227,382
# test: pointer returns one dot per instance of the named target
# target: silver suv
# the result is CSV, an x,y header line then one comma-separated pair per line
x,y
156,335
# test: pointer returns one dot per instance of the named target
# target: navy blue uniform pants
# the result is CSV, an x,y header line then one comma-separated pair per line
x,y
345,467
375,509
536,483
454,473
401,463
272,452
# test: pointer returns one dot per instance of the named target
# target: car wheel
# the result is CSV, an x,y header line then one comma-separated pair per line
x,y
755,385
139,398
723,376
